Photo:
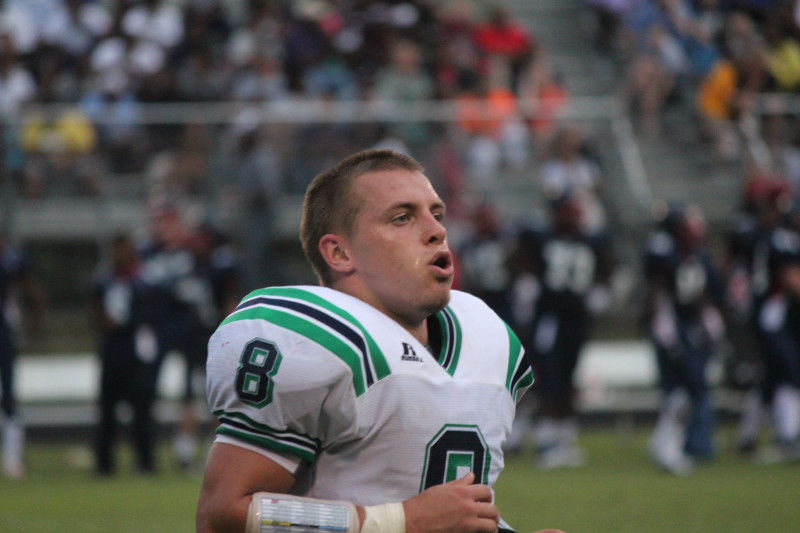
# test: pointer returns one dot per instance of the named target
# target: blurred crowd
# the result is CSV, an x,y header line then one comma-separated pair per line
x,y
714,57
104,59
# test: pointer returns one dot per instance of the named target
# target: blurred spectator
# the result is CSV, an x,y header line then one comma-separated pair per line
x,y
157,21
73,26
116,112
329,75
320,144
608,16
404,80
569,168
184,170
503,38
303,40
254,177
683,319
21,312
260,79
696,29
572,268
542,90
783,52
727,92
653,75
202,77
60,155
17,86
121,308
497,136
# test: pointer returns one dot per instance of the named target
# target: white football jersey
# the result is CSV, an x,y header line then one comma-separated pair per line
x,y
323,376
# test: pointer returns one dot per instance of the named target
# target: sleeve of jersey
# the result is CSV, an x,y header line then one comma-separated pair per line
x,y
520,374
274,389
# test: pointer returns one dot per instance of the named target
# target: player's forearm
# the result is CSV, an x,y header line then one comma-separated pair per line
x,y
458,506
230,517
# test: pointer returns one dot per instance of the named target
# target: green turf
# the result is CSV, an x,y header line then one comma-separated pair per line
x,y
617,491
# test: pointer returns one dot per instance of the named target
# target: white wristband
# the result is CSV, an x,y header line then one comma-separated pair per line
x,y
386,518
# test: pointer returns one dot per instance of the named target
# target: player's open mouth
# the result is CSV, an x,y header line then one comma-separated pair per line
x,y
444,262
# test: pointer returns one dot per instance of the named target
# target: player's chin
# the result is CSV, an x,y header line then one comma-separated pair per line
x,y
439,296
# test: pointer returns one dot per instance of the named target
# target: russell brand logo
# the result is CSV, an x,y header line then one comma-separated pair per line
x,y
409,354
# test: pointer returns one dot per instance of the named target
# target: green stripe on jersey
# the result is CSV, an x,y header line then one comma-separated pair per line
x,y
375,354
514,360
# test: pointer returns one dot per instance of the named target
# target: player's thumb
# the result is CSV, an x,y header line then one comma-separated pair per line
x,y
468,479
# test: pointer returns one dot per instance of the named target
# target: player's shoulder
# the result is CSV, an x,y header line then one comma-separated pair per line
x,y
460,300
473,313
307,326
300,312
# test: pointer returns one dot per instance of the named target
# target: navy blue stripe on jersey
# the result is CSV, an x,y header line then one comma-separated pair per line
x,y
449,335
284,441
342,328
523,375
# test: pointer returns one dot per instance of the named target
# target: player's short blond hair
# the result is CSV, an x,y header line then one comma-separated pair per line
x,y
331,206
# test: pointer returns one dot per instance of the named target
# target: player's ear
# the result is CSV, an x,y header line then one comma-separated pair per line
x,y
334,250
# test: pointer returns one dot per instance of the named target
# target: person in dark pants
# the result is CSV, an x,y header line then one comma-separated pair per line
x,y
572,266
683,319
217,276
775,289
19,291
128,355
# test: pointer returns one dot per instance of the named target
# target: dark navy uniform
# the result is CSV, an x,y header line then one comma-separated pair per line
x,y
685,293
13,265
572,268
775,250
123,305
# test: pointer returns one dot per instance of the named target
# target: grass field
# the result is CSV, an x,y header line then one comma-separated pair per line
x,y
617,491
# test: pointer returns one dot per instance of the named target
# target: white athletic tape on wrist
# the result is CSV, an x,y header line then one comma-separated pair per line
x,y
284,513
386,518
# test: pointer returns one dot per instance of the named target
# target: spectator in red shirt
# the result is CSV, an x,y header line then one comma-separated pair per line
x,y
500,35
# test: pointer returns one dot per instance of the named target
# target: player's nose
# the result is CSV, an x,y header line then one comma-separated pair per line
x,y
435,230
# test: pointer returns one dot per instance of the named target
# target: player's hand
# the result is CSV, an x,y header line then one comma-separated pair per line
x,y
458,506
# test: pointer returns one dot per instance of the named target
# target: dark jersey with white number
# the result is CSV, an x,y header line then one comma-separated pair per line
x,y
691,280
568,268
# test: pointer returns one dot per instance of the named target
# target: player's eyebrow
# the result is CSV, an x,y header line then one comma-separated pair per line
x,y
414,206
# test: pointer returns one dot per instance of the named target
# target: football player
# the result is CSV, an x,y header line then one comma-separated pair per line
x,y
18,285
379,400
775,287
682,317
573,266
